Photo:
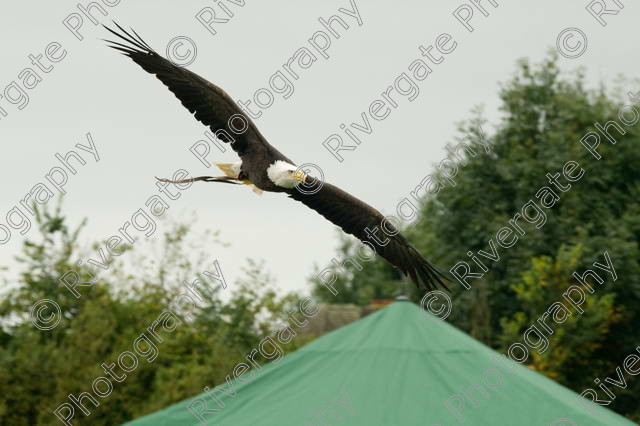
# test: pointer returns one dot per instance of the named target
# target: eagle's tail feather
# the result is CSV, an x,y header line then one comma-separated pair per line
x,y
231,170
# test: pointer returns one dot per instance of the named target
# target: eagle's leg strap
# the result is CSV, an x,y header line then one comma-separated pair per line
x,y
223,179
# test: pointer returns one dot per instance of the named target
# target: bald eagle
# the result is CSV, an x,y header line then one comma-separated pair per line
x,y
266,169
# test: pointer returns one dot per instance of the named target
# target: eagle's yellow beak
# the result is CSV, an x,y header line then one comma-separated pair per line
x,y
298,175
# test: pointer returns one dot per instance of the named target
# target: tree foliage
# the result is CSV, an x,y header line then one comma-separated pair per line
x,y
544,116
39,369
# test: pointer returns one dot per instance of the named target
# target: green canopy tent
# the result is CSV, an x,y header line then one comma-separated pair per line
x,y
394,367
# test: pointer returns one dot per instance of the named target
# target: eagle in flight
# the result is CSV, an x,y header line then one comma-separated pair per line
x,y
264,168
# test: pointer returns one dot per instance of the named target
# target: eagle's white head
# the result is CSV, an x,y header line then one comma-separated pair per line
x,y
284,174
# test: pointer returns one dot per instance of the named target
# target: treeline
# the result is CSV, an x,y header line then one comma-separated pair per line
x,y
101,331
545,115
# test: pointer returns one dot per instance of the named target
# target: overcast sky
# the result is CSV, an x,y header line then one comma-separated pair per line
x,y
140,130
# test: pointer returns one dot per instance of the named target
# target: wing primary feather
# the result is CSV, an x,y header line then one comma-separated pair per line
x,y
122,46
129,40
115,33
125,52
132,39
142,40
432,276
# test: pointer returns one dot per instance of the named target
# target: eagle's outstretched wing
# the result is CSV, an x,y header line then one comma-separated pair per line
x,y
355,217
210,104
213,107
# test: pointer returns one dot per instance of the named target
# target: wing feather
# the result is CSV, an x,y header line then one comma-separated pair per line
x,y
354,217
210,105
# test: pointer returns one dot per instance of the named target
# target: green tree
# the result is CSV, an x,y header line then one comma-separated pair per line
x,y
39,369
545,113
